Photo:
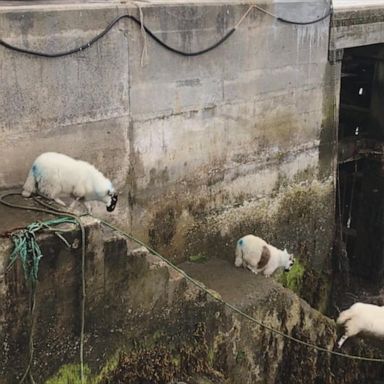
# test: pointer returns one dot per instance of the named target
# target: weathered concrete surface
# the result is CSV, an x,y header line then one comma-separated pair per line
x,y
182,138
12,218
144,321
356,23
278,360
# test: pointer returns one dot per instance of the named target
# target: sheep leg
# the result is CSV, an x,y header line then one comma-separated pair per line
x,y
72,205
51,191
88,207
268,272
25,193
342,340
351,329
59,201
254,270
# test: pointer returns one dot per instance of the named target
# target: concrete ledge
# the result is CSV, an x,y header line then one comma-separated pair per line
x,y
357,23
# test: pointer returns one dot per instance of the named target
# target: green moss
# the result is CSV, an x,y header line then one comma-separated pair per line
x,y
170,357
69,374
325,292
158,334
316,289
294,278
304,222
176,361
305,175
211,357
110,366
282,182
240,357
199,258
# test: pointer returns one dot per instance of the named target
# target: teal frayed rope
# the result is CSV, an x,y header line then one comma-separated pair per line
x,y
26,247
27,250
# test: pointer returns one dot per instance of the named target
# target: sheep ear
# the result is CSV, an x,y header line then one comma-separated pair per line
x,y
285,249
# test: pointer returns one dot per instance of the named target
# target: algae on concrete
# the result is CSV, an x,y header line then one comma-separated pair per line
x,y
163,327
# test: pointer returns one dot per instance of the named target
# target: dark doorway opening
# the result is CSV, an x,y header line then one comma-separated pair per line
x,y
360,198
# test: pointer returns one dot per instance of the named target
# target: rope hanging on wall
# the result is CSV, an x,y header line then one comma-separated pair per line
x,y
143,27
28,251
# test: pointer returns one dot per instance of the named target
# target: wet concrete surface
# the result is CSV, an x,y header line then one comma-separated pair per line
x,y
11,218
238,286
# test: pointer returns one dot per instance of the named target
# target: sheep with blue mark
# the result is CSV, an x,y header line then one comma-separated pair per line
x,y
56,175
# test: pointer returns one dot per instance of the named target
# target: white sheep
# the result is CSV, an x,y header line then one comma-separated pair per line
x,y
55,175
254,253
361,317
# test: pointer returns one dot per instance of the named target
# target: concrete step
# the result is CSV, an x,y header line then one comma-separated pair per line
x,y
145,322
238,286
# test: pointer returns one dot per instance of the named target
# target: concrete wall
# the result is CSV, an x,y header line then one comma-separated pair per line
x,y
144,322
202,149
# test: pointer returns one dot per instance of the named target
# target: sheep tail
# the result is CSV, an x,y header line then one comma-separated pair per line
x,y
29,186
239,253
